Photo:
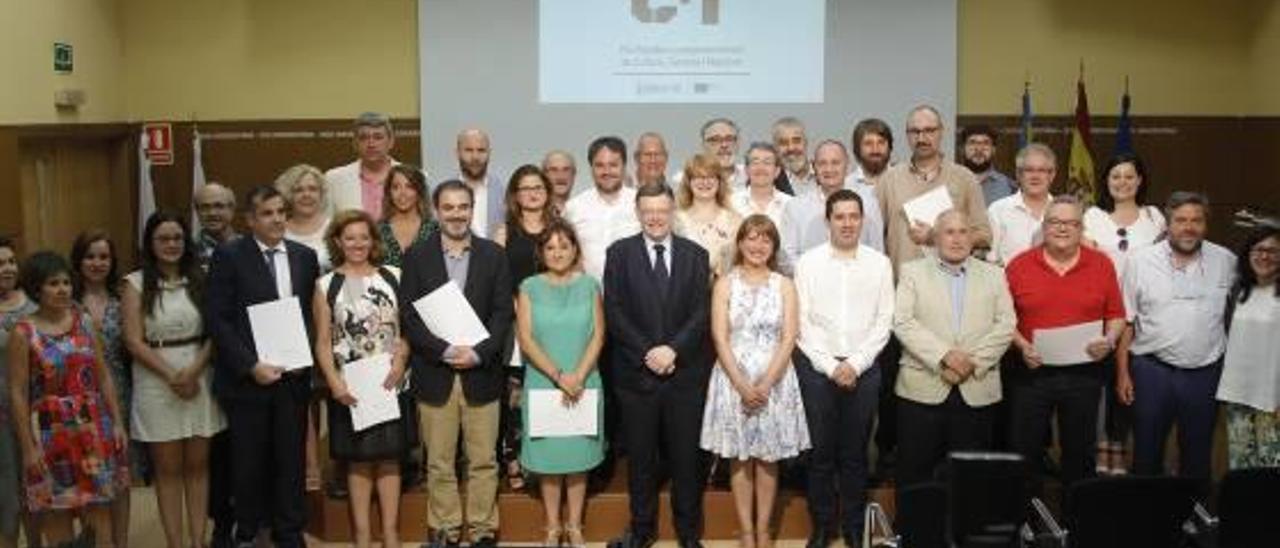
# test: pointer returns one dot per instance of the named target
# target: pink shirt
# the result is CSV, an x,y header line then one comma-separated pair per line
x,y
371,196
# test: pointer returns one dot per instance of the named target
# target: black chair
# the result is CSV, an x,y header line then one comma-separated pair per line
x,y
1129,512
921,516
986,499
1247,514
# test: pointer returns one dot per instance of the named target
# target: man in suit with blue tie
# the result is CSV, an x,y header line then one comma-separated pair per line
x,y
657,299
265,405
458,386
955,318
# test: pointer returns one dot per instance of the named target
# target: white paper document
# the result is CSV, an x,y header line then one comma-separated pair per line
x,y
374,404
279,334
1066,345
449,316
926,207
517,359
549,417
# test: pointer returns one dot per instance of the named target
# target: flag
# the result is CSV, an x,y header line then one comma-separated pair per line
x,y
1024,138
1080,177
146,191
197,177
1124,130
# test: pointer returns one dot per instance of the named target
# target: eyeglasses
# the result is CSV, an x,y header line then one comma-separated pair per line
x,y
1270,252
1062,223
1123,233
721,139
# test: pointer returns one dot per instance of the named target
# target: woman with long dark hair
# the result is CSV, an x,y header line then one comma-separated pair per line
x,y
95,286
1250,383
173,409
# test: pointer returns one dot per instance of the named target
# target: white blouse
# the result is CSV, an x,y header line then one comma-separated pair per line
x,y
1145,231
1251,368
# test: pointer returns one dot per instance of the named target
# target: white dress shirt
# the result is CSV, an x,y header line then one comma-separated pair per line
x,y
1177,312
741,202
1014,227
599,223
480,207
651,247
846,306
284,280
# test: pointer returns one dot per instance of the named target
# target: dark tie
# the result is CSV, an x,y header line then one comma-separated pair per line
x,y
271,265
660,264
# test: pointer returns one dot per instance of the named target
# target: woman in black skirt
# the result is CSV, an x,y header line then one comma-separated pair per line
x,y
357,316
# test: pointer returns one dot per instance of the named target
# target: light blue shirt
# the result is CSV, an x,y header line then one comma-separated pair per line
x,y
956,277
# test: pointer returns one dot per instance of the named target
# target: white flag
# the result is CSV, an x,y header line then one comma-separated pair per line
x,y
146,191
197,177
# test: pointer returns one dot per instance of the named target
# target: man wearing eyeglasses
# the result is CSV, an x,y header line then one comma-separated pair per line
x,y
1057,285
651,159
927,170
215,207
978,153
720,139
1016,219
1170,355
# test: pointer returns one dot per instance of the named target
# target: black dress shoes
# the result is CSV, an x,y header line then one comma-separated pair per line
x,y
818,539
630,539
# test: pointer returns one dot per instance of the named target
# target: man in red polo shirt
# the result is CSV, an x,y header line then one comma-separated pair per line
x,y
1061,284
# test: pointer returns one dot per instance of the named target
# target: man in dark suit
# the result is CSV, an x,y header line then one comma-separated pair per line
x,y
265,405
657,305
458,386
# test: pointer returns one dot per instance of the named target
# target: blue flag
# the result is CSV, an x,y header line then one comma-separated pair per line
x,y
1024,137
1124,129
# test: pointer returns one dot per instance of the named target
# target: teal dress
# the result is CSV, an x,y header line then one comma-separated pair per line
x,y
563,324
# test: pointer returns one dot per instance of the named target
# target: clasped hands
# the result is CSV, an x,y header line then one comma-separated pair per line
x,y
661,360
957,366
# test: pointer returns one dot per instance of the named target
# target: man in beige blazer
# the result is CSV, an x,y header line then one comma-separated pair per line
x,y
955,318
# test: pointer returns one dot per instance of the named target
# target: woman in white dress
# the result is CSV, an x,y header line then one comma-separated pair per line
x,y
754,415
306,190
1119,225
173,410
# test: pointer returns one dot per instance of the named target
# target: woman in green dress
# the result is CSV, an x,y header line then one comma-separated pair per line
x,y
560,325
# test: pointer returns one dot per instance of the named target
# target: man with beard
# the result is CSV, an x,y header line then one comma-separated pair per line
x,y
358,185
651,159
215,206
604,213
720,141
804,221
1170,356
872,147
561,169
789,138
927,170
488,188
978,148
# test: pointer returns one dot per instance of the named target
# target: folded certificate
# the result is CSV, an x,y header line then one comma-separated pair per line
x,y
449,316
374,404
279,334
926,207
549,417
1066,345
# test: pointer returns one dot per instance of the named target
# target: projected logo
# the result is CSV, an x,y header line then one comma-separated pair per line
x,y
644,12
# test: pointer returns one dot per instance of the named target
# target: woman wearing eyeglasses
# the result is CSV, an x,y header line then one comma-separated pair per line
x,y
1120,224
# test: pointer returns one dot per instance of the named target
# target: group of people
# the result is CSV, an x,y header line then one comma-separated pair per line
x,y
753,308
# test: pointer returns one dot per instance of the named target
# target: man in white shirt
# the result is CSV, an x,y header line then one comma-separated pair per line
x,y
1170,356
804,222
359,184
793,147
604,213
489,189
651,159
846,300
1016,219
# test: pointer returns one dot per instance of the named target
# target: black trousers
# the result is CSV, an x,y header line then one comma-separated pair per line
x,y
1070,391
267,445
669,420
221,480
889,361
927,432
840,424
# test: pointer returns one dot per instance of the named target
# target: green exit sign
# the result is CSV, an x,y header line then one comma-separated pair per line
x,y
62,57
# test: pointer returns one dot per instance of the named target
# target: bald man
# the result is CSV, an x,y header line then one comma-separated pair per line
x,y
215,206
488,188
